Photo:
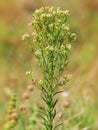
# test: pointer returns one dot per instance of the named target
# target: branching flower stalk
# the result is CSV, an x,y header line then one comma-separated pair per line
x,y
52,41
12,114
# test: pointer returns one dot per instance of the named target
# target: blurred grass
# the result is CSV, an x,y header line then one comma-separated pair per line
x,y
16,58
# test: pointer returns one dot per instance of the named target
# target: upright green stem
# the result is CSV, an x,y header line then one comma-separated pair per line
x,y
49,115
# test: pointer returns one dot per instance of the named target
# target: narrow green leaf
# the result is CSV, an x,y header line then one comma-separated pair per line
x,y
56,126
57,93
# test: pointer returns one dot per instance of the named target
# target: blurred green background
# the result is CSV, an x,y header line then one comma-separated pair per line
x,y
16,56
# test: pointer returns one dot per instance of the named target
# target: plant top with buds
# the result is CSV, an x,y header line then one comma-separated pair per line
x,y
52,41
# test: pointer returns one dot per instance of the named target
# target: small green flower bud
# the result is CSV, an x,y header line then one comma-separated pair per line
x,y
11,104
73,37
40,82
13,98
38,53
49,49
30,74
12,123
11,110
68,46
66,12
25,37
66,29
68,77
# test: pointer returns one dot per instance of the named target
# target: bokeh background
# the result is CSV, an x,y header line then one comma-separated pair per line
x,y
16,57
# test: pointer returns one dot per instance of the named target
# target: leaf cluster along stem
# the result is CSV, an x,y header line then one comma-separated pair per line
x,y
48,96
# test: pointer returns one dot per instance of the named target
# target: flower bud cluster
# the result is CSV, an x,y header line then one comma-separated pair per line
x,y
65,79
30,75
49,24
72,37
38,54
26,96
25,37
52,36
12,114
41,82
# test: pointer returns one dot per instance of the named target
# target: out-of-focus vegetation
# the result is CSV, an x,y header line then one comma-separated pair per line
x,y
15,56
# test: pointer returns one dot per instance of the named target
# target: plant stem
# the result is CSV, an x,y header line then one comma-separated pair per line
x,y
49,98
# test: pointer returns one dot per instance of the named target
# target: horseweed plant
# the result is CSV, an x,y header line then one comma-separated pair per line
x,y
52,41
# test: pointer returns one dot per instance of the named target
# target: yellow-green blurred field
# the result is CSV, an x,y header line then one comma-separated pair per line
x,y
16,57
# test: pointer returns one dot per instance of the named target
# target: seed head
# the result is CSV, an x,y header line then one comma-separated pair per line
x,y
26,96
30,88
22,107
66,104
14,116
